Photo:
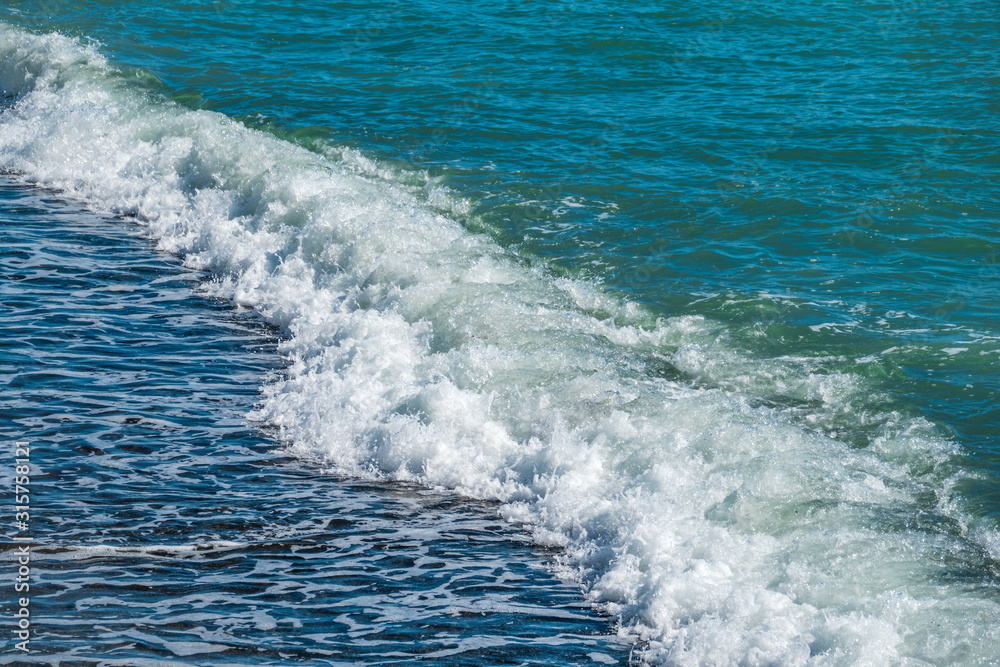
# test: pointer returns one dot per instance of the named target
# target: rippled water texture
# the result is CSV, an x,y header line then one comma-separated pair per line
x,y
170,533
820,177
704,295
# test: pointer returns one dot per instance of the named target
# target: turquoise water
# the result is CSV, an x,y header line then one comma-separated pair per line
x,y
704,296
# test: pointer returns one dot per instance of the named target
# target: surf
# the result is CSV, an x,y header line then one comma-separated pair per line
x,y
715,522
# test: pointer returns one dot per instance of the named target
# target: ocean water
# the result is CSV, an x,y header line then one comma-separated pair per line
x,y
701,299
170,532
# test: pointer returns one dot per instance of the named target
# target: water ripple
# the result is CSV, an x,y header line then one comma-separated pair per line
x,y
169,533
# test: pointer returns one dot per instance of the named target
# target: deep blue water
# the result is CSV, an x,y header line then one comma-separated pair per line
x,y
168,530
705,296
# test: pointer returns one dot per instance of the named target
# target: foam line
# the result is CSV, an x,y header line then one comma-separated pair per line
x,y
716,529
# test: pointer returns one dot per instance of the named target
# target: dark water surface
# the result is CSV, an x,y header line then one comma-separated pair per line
x,y
705,295
169,532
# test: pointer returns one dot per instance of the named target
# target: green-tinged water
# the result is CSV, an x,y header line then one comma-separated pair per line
x,y
824,175
706,295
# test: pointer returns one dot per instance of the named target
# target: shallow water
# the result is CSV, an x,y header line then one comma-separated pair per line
x,y
704,296
170,532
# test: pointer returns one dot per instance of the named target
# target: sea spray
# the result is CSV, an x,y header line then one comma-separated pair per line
x,y
719,525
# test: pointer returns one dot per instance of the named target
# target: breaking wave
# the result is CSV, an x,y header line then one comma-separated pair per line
x,y
718,525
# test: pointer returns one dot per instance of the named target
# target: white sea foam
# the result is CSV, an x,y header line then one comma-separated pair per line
x,y
720,525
